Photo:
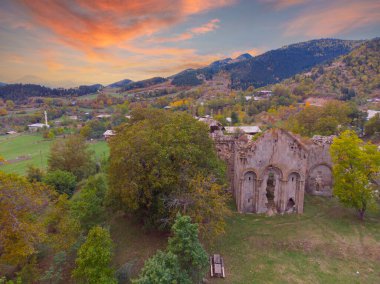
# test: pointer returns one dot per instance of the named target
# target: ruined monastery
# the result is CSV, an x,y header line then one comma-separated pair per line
x,y
272,173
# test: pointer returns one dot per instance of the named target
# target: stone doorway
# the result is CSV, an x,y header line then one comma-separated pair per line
x,y
249,189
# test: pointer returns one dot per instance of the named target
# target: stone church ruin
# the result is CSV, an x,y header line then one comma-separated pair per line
x,y
271,174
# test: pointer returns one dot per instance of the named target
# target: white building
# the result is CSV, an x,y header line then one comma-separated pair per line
x,y
371,113
108,134
251,130
36,126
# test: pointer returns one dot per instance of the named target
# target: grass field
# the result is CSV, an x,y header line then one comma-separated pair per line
x,y
326,244
35,149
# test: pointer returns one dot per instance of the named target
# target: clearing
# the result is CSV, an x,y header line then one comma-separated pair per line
x,y
326,244
31,148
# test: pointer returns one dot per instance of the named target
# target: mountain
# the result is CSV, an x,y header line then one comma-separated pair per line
x,y
31,79
143,83
21,92
2,84
272,66
355,74
244,56
120,84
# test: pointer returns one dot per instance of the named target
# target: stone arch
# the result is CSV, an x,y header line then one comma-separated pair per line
x,y
292,192
300,174
271,189
248,191
320,180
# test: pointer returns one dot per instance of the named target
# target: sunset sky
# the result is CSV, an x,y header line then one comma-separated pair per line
x,y
98,41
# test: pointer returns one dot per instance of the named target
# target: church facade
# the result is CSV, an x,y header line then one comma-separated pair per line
x,y
271,174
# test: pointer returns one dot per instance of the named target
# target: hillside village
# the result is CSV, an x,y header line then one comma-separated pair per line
x,y
247,172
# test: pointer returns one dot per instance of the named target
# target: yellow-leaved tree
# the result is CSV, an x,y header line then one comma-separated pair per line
x,y
21,217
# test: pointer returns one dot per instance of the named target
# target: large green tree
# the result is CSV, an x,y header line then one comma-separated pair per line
x,y
355,166
87,205
93,263
62,181
184,261
73,155
154,161
163,268
185,244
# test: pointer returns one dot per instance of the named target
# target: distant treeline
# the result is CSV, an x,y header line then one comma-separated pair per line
x,y
21,92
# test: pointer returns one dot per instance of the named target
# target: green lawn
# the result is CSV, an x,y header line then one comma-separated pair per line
x,y
36,149
326,244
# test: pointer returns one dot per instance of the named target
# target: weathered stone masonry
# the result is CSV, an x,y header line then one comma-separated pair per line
x,y
270,175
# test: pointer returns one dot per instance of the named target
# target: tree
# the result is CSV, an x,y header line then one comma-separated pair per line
x,y
94,258
162,268
205,203
154,160
373,125
185,260
323,120
185,244
234,118
34,174
87,205
64,230
62,181
22,228
72,155
356,165
10,104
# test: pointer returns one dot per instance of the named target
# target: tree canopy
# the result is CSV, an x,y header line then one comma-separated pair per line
x,y
72,155
94,258
184,261
21,224
153,162
355,167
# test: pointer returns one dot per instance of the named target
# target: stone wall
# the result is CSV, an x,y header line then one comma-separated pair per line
x,y
270,175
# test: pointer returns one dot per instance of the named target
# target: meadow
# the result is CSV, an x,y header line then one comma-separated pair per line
x,y
326,244
26,149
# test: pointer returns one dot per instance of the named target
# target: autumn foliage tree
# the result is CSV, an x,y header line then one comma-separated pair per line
x,y
355,166
72,155
93,264
22,226
154,166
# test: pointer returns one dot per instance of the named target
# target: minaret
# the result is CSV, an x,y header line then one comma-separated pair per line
x,y
46,123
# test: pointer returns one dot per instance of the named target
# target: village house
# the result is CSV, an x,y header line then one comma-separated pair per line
x,y
250,130
36,126
108,134
371,113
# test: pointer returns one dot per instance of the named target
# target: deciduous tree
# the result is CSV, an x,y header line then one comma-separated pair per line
x,y
21,224
62,181
185,244
355,166
72,155
87,205
154,160
93,264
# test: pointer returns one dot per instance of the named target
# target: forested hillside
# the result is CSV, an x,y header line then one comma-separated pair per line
x,y
272,66
355,74
21,92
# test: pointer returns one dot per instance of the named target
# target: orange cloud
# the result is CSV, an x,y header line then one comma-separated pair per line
x,y
208,27
90,25
340,17
283,4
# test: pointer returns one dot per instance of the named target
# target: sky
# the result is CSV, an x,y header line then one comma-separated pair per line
x,y
71,42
